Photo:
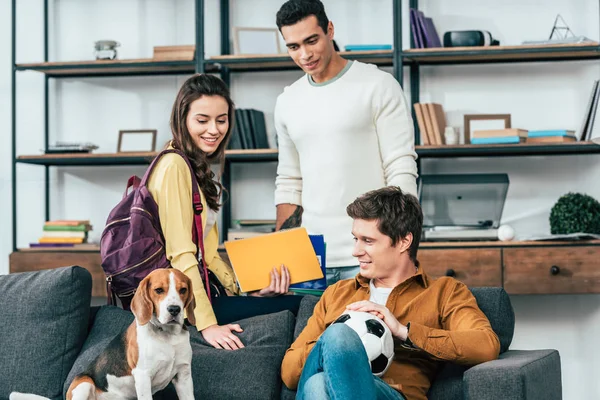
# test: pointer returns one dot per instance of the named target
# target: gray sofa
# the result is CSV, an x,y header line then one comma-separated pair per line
x,y
48,333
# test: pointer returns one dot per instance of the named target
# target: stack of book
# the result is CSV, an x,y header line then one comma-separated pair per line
x,y
431,120
499,136
551,136
249,130
423,31
247,228
70,234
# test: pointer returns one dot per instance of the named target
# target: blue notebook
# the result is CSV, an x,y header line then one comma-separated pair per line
x,y
318,242
553,132
497,140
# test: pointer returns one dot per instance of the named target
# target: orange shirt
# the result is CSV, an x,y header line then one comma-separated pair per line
x,y
445,325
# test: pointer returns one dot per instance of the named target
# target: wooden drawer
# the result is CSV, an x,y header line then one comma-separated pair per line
x,y
552,270
23,261
474,267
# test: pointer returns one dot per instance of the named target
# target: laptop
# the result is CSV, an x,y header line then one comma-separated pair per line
x,y
462,207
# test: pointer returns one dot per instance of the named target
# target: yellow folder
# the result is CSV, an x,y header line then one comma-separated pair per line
x,y
253,259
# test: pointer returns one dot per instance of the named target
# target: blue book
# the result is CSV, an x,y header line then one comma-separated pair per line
x,y
497,140
366,47
552,132
318,242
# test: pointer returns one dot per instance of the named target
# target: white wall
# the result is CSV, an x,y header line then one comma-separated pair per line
x,y
536,95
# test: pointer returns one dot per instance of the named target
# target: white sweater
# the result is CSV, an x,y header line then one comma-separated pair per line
x,y
338,140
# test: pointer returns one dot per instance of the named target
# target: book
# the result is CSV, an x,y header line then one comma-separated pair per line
x,y
367,47
318,242
551,139
498,140
252,259
488,133
551,132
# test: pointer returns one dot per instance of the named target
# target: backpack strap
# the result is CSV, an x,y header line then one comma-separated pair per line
x,y
197,230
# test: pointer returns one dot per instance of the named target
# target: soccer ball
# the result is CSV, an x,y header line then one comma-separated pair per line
x,y
375,336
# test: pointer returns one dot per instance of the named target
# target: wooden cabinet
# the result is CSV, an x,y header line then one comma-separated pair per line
x,y
552,270
474,267
22,261
521,267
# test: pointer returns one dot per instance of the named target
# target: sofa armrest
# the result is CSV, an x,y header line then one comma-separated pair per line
x,y
516,375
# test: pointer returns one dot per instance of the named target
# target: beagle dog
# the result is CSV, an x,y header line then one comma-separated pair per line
x,y
153,351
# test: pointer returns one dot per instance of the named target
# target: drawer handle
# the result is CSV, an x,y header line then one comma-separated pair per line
x,y
554,270
450,272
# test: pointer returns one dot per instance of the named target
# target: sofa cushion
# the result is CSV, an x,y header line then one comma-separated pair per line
x,y
254,371
109,321
496,305
44,318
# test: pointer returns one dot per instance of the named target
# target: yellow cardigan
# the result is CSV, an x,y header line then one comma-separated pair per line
x,y
171,187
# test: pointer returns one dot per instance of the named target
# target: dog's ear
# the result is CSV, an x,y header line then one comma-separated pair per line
x,y
141,305
190,303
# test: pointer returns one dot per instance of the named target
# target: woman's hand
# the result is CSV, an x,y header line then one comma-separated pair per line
x,y
280,284
222,336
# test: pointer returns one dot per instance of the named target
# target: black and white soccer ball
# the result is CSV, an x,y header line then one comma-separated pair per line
x,y
375,336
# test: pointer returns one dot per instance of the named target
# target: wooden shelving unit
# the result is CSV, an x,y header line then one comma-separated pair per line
x,y
278,62
265,155
502,54
93,68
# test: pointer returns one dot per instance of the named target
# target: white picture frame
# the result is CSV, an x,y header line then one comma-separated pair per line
x,y
259,41
137,141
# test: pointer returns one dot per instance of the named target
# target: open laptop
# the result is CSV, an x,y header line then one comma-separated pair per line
x,y
462,207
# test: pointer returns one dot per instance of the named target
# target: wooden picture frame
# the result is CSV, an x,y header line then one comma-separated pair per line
x,y
132,141
248,41
494,121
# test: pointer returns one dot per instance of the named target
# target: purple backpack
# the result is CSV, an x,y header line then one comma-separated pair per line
x,y
132,244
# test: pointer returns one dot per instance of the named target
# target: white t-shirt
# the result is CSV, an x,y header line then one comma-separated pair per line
x,y
379,295
338,140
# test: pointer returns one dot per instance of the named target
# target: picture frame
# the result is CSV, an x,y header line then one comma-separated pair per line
x,y
247,41
476,122
137,141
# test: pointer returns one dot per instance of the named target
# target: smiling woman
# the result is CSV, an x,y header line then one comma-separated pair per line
x,y
201,127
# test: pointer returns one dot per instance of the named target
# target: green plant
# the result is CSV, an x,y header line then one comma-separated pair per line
x,y
575,212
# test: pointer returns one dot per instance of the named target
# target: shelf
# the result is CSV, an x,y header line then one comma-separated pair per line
x,y
266,155
89,159
92,68
502,54
277,62
252,155
84,249
508,150
499,243
144,158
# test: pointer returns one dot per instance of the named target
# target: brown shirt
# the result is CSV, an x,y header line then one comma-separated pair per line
x,y
445,325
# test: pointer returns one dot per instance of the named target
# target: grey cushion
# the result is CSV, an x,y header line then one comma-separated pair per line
x,y
516,375
44,321
253,371
108,323
307,306
496,305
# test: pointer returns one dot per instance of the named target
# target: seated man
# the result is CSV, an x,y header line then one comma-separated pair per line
x,y
432,321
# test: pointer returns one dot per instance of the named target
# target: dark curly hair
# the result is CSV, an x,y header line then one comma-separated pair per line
x,y
294,11
397,214
192,89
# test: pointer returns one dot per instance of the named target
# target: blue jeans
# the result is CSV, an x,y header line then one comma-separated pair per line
x,y
338,368
335,274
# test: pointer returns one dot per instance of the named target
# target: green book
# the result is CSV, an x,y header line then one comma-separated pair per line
x,y
77,228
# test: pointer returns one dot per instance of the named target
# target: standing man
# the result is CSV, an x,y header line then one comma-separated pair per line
x,y
343,129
